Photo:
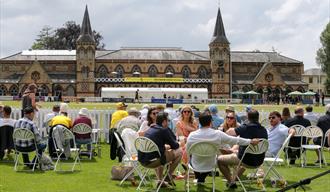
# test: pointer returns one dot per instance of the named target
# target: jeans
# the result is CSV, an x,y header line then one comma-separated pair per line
x,y
84,141
40,148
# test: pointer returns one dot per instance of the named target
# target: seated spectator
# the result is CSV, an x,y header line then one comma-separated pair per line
x,y
298,119
251,130
151,119
49,116
286,115
310,115
216,119
131,121
230,108
83,138
230,122
277,133
216,137
62,118
7,124
27,146
168,147
144,112
324,124
118,115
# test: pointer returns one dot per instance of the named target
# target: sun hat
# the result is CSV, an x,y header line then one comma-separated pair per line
x,y
83,111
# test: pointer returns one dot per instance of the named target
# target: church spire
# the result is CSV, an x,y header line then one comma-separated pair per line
x,y
86,33
219,35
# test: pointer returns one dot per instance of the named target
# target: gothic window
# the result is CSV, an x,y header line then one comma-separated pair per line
x,y
152,71
3,90
202,73
119,71
70,91
221,73
84,72
246,89
103,72
185,72
169,71
13,90
35,76
44,90
136,71
235,88
58,90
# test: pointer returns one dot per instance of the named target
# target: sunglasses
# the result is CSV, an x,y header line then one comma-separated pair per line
x,y
230,117
186,111
273,117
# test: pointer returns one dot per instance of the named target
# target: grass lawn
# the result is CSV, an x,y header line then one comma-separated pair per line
x,y
95,174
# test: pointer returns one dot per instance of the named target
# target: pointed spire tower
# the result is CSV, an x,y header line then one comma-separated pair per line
x,y
220,61
85,57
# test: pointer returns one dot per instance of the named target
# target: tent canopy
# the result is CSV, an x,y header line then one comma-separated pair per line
x,y
251,93
295,93
309,93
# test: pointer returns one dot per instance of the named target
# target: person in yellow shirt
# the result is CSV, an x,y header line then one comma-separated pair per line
x,y
119,114
62,118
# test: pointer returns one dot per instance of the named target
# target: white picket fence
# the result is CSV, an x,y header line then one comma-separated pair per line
x,y
100,119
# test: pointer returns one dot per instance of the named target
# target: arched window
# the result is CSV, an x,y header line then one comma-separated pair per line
x,y
44,90
35,76
185,72
24,88
70,91
260,90
58,90
3,90
13,90
221,73
136,71
235,88
152,71
119,71
84,72
246,89
103,72
202,73
169,71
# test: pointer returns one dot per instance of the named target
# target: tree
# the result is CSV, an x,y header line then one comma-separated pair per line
x,y
323,54
63,38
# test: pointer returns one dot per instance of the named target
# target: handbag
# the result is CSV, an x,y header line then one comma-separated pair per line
x,y
118,172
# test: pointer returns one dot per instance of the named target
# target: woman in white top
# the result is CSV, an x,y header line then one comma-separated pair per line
x,y
151,119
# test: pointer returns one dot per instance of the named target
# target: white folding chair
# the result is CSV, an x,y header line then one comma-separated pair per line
x,y
261,148
311,132
23,135
326,136
207,150
129,158
298,134
82,129
265,123
146,145
270,162
67,136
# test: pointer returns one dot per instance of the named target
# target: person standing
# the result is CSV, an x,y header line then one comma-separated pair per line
x,y
29,98
137,96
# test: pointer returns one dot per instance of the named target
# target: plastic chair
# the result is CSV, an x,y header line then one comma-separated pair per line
x,y
146,145
207,150
265,123
23,134
326,136
311,132
271,161
298,134
262,147
82,129
130,158
67,136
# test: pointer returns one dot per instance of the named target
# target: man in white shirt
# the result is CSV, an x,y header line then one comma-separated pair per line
x,y
277,133
216,137
6,120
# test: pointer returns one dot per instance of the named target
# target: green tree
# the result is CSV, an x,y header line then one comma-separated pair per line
x,y
63,38
323,54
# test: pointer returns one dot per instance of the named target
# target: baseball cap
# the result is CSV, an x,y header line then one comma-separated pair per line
x,y
121,104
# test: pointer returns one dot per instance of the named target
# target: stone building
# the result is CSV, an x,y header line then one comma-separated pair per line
x,y
82,72
316,80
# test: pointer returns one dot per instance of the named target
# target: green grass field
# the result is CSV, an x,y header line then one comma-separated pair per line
x,y
95,174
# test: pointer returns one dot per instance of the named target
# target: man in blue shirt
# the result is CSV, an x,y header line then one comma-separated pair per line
x,y
168,147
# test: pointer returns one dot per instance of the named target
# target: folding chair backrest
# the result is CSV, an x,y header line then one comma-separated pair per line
x,y
265,123
313,122
326,136
298,130
66,135
146,145
312,132
82,128
23,134
203,149
284,145
260,148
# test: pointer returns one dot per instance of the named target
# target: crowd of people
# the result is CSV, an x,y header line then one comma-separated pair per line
x,y
174,131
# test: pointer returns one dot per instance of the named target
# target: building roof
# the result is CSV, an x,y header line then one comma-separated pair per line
x,y
135,53
219,35
152,53
314,71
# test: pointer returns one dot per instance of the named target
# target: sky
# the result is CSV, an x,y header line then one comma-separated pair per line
x,y
289,27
